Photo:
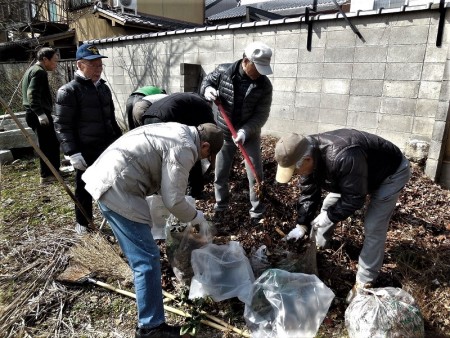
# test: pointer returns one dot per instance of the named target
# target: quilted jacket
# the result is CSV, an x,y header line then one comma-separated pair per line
x,y
257,101
84,118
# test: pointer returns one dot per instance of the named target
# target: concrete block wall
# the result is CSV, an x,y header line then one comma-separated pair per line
x,y
394,83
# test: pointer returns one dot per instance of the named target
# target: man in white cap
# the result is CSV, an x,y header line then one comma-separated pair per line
x,y
351,165
245,93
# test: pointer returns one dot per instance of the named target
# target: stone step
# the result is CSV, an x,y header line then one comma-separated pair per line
x,y
8,123
10,139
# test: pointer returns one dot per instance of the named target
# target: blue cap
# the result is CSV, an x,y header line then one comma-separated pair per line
x,y
88,52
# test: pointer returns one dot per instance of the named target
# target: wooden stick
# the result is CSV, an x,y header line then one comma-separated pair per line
x,y
277,229
219,324
112,288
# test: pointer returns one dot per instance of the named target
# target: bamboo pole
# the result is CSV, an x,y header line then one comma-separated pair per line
x,y
217,322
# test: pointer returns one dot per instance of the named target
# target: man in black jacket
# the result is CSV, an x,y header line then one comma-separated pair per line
x,y
186,108
85,122
351,165
245,93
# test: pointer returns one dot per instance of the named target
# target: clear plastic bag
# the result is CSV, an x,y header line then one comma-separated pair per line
x,y
384,313
287,305
222,272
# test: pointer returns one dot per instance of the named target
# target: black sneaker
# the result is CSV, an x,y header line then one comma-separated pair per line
x,y
161,331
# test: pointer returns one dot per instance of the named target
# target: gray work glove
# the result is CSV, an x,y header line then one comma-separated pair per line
x,y
297,233
240,137
43,120
211,94
77,161
322,221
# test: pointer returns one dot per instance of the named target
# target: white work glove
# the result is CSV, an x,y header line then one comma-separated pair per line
x,y
240,137
321,221
298,232
199,218
211,94
77,161
43,120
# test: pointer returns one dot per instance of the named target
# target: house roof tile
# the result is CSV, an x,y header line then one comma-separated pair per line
x,y
282,7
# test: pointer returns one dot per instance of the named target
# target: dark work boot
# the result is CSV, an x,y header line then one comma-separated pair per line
x,y
161,331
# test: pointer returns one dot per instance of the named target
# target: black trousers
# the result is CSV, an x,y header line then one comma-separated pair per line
x,y
196,182
81,194
84,198
48,142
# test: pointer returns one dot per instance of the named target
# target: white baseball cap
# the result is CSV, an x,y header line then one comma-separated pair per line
x,y
260,54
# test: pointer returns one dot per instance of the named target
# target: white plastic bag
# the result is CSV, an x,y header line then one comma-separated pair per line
x,y
287,305
384,313
222,272
159,214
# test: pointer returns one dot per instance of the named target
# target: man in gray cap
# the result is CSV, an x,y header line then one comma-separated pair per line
x,y
154,158
245,92
350,164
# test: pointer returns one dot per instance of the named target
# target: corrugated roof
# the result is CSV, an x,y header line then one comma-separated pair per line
x,y
282,7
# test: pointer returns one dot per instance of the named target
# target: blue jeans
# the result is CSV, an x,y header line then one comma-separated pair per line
x,y
376,221
137,243
224,162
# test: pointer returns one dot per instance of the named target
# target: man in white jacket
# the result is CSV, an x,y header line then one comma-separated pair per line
x,y
153,158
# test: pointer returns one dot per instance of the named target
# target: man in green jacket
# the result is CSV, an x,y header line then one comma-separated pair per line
x,y
38,103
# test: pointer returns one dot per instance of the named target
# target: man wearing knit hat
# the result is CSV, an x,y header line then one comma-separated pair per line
x,y
350,164
154,158
245,93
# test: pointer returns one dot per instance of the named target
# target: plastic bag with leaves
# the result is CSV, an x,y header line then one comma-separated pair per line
x,y
286,304
384,312
181,240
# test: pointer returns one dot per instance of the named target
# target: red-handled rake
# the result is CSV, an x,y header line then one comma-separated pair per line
x,y
259,184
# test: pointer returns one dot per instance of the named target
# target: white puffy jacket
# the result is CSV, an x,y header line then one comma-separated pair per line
x,y
149,159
